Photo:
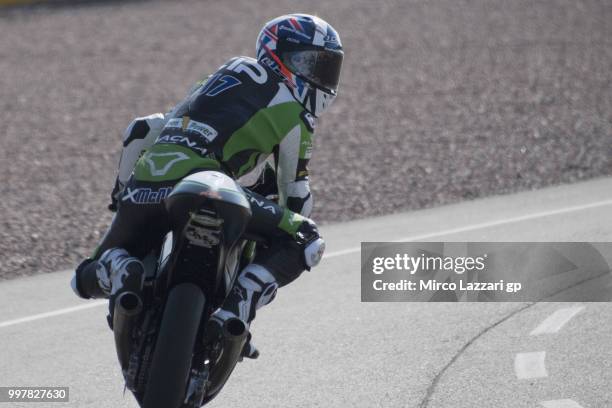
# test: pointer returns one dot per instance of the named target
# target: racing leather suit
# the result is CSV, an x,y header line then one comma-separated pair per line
x,y
290,153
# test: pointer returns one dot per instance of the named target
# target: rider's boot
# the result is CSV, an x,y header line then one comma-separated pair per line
x,y
254,288
249,350
114,273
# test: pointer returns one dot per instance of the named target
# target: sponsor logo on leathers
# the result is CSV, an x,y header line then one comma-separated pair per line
x,y
202,129
178,139
206,131
150,158
146,195
262,204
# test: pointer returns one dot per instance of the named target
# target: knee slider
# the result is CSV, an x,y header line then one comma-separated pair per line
x,y
313,252
312,243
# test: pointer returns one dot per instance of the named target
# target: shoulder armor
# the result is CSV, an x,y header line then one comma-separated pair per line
x,y
140,127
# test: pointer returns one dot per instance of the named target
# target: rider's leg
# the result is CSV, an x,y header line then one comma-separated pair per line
x,y
295,246
254,288
138,227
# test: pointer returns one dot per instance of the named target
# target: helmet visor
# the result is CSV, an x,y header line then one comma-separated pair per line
x,y
321,67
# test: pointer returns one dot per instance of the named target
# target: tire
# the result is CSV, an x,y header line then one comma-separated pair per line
x,y
171,363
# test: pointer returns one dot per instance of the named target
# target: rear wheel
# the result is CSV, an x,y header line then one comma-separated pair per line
x,y
173,353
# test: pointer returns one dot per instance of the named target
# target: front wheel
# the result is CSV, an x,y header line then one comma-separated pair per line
x,y
173,353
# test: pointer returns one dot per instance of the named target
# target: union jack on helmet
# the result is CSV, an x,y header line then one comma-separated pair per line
x,y
307,53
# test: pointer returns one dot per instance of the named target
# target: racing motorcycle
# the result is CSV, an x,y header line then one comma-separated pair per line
x,y
170,353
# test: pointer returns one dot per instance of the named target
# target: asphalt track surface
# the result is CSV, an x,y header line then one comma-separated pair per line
x,y
322,347
440,101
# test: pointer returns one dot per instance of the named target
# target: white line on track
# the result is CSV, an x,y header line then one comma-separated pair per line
x,y
564,403
530,365
53,313
483,225
347,251
554,322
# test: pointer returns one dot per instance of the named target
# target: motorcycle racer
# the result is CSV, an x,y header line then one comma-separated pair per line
x,y
245,114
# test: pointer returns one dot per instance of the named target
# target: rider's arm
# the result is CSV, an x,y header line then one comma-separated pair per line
x,y
138,137
294,152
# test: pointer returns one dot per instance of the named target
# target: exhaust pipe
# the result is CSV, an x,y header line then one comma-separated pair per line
x,y
233,337
128,306
234,329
